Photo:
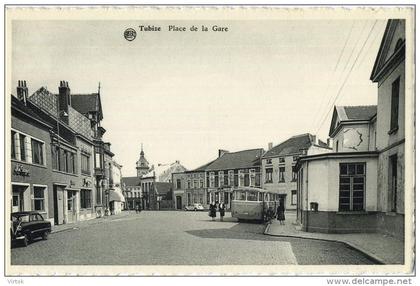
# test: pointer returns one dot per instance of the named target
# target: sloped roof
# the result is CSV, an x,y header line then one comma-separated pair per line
x,y
386,57
202,168
163,172
292,145
163,188
365,112
236,160
131,181
28,109
351,113
85,103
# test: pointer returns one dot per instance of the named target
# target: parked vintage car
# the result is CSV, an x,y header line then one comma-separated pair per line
x,y
25,226
195,207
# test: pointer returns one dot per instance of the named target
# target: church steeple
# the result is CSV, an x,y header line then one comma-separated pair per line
x,y
142,165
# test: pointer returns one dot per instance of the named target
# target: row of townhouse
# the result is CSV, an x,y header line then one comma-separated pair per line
x,y
271,170
60,165
360,186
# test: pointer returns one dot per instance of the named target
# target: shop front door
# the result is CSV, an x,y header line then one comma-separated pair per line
x,y
71,206
17,198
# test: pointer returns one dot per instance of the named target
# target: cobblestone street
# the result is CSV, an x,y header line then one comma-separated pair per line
x,y
178,238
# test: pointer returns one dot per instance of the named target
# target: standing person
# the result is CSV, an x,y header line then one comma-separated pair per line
x,y
280,212
222,210
212,211
137,208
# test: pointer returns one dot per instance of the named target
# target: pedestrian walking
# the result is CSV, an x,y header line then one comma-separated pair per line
x,y
212,211
222,210
280,212
137,209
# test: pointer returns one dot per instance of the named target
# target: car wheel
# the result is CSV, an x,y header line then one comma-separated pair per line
x,y
25,240
45,235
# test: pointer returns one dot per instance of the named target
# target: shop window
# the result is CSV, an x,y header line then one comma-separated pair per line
x,y
39,199
85,199
352,187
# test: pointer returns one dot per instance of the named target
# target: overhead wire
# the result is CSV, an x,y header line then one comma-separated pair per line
x,y
347,77
329,83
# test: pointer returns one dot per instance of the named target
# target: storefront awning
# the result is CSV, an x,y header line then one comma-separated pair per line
x,y
116,195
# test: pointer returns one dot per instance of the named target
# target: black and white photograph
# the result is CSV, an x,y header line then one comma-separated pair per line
x,y
209,140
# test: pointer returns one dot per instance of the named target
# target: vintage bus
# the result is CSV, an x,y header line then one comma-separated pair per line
x,y
253,203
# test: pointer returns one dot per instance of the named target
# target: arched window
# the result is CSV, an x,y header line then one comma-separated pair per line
x,y
398,45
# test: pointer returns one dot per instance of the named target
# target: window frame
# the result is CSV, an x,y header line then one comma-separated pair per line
x,y
85,200
82,169
395,98
351,182
37,146
43,199
268,179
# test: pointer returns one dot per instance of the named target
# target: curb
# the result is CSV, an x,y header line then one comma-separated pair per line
x,y
366,253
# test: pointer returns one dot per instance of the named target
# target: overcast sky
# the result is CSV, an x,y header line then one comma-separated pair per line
x,y
187,94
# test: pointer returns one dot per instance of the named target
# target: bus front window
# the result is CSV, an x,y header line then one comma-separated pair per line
x,y
252,196
241,195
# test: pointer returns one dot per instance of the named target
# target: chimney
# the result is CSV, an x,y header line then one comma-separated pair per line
x,y
313,139
329,142
22,91
222,152
64,100
270,145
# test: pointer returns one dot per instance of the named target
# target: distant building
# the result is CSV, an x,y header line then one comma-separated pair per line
x,y
132,192
142,165
231,170
155,195
278,163
189,187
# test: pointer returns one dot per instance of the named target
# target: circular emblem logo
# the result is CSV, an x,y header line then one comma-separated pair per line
x,y
130,34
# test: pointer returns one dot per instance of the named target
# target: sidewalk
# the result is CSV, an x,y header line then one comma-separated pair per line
x,y
382,248
93,221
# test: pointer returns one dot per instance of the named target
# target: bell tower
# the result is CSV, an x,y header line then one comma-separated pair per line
x,y
142,165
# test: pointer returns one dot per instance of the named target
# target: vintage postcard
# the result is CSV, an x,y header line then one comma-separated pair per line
x,y
153,140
